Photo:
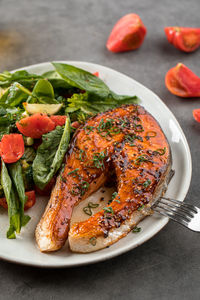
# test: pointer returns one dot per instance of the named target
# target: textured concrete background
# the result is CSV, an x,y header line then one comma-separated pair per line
x,y
167,266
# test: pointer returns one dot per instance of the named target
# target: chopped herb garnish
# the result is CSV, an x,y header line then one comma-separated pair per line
x,y
136,229
107,128
88,129
93,241
98,160
63,178
114,195
108,210
147,183
84,187
141,207
73,172
80,189
87,209
141,158
93,205
161,151
139,128
81,155
118,201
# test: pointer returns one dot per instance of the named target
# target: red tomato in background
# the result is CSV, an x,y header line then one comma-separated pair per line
x,y
127,34
196,114
182,82
183,38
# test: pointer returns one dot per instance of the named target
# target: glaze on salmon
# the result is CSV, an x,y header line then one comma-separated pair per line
x,y
126,141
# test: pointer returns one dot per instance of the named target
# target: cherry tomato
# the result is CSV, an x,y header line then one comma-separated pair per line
x,y
35,126
127,34
58,120
182,82
184,38
196,114
11,147
29,203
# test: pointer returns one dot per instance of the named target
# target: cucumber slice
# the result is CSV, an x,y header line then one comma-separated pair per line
x,y
49,109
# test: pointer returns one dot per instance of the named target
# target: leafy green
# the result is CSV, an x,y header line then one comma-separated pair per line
x,y
29,155
50,154
8,118
15,170
23,77
12,201
43,92
56,80
27,173
83,80
14,95
90,106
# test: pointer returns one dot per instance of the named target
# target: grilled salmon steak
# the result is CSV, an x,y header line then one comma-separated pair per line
x,y
126,141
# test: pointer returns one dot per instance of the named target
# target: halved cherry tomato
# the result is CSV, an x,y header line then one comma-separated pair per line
x,y
29,203
58,120
182,82
36,125
184,38
47,190
11,147
76,124
127,34
196,114
96,74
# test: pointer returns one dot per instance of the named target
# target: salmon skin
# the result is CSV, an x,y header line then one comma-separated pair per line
x,y
126,140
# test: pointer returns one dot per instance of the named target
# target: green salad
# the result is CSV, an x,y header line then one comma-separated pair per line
x,y
38,116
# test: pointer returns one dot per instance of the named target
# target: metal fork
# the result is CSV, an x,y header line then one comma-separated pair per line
x,y
183,213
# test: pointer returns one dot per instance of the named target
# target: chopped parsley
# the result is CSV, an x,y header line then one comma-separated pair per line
x,y
142,158
108,210
147,183
98,160
141,207
74,172
161,151
136,229
87,209
81,156
88,129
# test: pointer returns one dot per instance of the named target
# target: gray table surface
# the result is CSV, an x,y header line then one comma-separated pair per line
x,y
168,265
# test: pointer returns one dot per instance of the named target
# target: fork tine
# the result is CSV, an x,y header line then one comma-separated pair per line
x,y
171,216
178,208
180,203
174,212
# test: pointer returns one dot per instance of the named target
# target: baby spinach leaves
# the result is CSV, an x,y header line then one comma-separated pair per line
x,y
50,154
13,187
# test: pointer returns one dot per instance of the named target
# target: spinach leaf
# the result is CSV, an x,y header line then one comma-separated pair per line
x,y
15,170
8,118
90,106
83,80
50,154
14,95
56,80
23,77
43,92
12,201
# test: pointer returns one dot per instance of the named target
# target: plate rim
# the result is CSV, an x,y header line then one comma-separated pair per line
x,y
165,220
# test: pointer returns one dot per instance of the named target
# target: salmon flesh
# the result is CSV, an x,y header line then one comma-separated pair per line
x,y
126,143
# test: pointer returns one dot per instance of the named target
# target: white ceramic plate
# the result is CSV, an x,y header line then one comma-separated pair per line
x,y
24,250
